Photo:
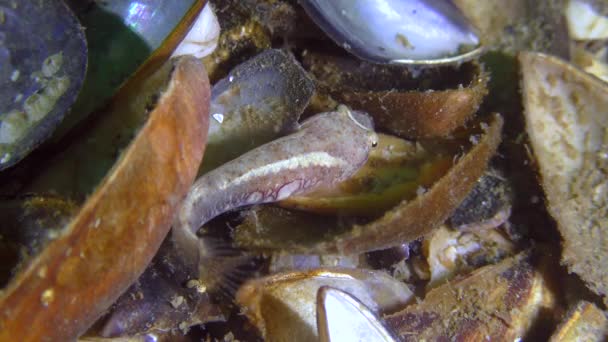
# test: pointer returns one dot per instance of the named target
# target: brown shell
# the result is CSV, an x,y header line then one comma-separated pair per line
x,y
413,219
497,303
114,236
386,93
271,228
567,122
416,114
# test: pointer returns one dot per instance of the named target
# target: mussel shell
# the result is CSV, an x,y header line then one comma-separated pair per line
x,y
152,21
258,101
120,227
125,36
283,306
89,154
397,31
410,220
333,306
567,122
427,104
43,60
497,302
407,221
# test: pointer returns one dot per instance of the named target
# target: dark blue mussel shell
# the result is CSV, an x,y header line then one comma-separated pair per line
x,y
43,61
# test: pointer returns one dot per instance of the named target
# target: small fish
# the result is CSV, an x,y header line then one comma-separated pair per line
x,y
327,148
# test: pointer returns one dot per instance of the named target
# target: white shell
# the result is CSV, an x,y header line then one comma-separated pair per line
x,y
203,37
284,306
342,317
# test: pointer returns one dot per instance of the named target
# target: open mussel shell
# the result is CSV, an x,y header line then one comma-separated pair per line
x,y
113,237
430,104
125,36
90,153
43,60
397,31
567,122
498,302
283,306
410,219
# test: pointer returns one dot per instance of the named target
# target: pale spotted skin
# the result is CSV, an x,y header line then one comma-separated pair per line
x,y
325,149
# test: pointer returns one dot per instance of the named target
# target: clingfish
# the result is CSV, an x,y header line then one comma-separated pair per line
x,y
325,149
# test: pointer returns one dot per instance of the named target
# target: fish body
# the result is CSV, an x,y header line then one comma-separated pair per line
x,y
325,149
